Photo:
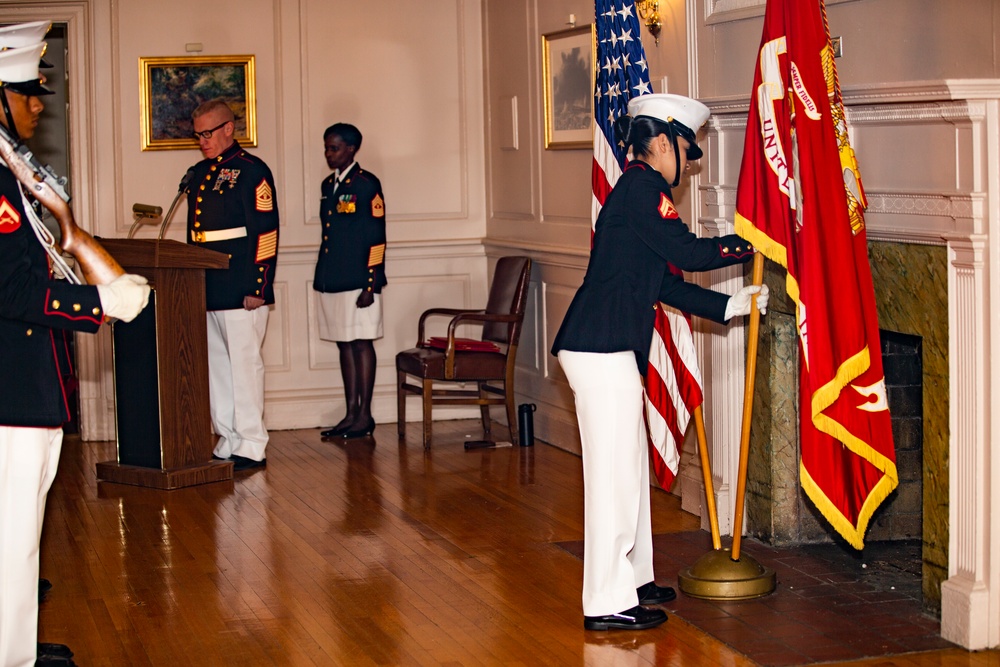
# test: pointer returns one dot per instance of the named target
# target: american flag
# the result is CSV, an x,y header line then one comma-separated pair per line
x,y
673,380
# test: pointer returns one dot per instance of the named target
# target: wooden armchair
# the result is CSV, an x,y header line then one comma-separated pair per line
x,y
489,362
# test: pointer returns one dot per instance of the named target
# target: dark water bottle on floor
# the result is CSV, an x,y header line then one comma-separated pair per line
x,y
526,424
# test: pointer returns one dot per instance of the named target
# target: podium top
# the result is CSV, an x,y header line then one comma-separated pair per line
x,y
163,254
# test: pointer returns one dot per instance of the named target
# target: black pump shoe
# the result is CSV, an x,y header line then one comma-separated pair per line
x,y
652,594
636,618
362,432
335,432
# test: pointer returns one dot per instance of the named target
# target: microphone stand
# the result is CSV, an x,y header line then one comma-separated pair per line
x,y
170,212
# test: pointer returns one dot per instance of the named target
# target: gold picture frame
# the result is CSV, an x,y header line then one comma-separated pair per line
x,y
568,73
170,88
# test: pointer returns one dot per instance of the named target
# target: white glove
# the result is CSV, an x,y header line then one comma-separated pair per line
x,y
739,303
124,297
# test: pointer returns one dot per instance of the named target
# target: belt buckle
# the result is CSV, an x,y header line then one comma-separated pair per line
x,y
199,236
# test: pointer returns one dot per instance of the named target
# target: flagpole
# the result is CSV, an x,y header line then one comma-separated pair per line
x,y
722,574
706,473
751,372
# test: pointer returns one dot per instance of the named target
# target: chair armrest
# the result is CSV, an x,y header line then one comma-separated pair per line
x,y
479,316
438,311
469,316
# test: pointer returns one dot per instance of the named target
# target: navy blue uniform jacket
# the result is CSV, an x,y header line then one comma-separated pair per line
x,y
231,191
352,250
35,311
638,233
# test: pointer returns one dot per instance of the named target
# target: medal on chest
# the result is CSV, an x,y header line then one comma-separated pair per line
x,y
226,176
347,203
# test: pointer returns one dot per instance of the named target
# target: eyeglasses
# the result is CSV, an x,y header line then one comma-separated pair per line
x,y
207,134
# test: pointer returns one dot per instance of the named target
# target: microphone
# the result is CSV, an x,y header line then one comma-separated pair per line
x,y
186,180
146,211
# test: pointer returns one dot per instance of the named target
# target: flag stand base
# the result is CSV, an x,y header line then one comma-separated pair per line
x,y
716,576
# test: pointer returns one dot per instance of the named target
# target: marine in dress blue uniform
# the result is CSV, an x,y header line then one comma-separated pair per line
x,y
36,312
638,236
640,246
350,274
352,250
233,209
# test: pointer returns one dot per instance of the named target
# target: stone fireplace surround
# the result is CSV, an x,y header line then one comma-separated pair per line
x,y
777,509
929,155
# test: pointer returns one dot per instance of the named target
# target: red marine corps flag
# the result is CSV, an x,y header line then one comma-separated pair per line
x,y
673,381
801,203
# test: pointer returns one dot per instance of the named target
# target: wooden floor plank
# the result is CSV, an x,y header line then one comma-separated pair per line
x,y
359,553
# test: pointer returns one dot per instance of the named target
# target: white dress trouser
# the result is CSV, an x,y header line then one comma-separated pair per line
x,y
236,381
29,458
617,532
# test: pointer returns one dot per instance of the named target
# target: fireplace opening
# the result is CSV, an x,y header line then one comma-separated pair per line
x,y
900,517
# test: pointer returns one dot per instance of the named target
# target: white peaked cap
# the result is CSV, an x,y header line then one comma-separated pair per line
x,y
20,65
690,113
23,34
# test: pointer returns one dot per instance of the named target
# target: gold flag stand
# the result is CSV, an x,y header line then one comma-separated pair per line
x,y
727,574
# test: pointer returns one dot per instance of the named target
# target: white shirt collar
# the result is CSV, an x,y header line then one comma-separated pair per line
x,y
341,175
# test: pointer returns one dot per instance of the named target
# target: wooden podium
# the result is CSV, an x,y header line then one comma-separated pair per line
x,y
161,371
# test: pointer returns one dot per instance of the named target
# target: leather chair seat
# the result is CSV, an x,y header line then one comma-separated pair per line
x,y
429,363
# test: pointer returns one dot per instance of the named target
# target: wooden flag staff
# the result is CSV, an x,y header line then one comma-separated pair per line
x,y
751,373
726,574
706,475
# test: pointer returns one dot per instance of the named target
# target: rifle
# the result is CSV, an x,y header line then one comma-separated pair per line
x,y
97,264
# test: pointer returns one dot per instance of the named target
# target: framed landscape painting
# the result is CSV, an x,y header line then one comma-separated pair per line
x,y
568,76
171,88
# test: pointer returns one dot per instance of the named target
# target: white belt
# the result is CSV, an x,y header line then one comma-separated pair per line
x,y
218,235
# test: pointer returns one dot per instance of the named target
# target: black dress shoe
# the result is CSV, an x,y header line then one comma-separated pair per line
x,y
636,618
652,594
241,463
44,586
54,650
362,432
335,432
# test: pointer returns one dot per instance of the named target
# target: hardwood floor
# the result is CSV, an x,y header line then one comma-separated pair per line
x,y
350,554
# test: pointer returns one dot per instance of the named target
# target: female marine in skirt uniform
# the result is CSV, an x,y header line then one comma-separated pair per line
x,y
350,274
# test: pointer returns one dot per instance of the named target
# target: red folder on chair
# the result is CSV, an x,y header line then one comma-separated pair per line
x,y
463,344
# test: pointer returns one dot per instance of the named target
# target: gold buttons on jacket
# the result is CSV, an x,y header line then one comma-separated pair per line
x,y
96,311
76,308
28,332
56,304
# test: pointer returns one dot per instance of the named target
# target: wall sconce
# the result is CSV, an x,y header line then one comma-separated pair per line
x,y
649,12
